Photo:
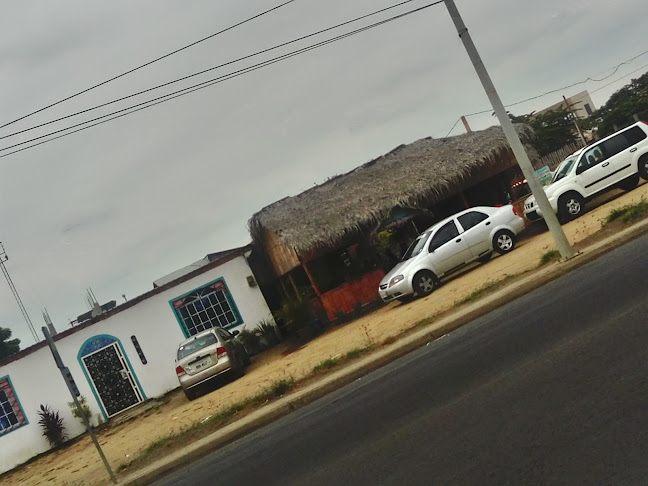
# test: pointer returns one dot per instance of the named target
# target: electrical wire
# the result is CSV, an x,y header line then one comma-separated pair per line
x,y
208,69
204,84
150,62
615,70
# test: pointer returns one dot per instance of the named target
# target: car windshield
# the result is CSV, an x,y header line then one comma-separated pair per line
x,y
563,169
196,345
415,248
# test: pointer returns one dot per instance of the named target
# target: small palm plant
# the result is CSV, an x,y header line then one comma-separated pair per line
x,y
52,424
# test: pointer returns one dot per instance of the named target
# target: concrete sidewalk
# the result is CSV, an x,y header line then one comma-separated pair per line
x,y
376,360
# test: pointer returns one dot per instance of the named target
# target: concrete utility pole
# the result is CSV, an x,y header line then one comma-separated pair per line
x,y
511,135
74,392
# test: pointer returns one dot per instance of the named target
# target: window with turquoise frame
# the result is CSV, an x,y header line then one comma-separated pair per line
x,y
11,413
203,308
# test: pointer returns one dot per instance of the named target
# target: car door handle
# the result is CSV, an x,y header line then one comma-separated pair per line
x,y
488,223
606,164
634,149
457,241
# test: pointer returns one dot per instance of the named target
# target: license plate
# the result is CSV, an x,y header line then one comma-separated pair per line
x,y
203,364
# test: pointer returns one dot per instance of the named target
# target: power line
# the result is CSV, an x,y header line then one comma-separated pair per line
x,y
615,69
150,62
202,85
207,70
3,259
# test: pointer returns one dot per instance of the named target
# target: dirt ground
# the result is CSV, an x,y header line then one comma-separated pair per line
x,y
79,463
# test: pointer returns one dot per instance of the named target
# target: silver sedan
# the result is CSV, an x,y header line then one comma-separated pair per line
x,y
471,235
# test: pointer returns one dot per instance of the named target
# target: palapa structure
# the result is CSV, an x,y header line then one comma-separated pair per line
x,y
423,177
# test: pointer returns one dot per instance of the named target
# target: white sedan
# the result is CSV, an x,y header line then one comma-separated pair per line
x,y
468,236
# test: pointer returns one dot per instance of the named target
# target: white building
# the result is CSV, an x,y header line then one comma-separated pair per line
x,y
126,355
581,104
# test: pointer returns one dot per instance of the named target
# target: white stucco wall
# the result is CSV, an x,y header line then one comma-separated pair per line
x,y
36,380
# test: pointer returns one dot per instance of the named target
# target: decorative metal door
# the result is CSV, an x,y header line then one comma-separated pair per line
x,y
113,379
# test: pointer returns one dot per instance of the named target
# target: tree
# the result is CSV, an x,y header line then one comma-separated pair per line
x,y
553,129
7,347
621,107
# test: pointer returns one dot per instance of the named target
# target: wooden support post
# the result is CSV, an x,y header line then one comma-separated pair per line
x,y
466,126
311,279
294,285
464,200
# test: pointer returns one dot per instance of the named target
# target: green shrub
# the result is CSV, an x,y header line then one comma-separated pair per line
x,y
251,341
294,314
85,409
280,387
549,256
268,331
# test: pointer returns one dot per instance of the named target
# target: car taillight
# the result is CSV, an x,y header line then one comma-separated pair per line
x,y
514,210
180,370
220,352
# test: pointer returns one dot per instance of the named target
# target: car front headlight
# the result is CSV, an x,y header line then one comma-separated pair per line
x,y
395,280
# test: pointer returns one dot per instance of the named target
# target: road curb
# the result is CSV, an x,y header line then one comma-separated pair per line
x,y
415,340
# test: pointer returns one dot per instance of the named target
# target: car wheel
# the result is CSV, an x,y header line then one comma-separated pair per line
x,y
642,167
425,282
503,242
246,359
190,394
630,183
485,258
570,206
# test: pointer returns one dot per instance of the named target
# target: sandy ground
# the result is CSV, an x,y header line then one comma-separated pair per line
x,y
79,464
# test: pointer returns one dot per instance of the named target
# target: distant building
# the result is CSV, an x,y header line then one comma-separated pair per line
x,y
581,104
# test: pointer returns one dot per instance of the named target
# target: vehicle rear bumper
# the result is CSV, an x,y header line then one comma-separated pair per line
x,y
223,366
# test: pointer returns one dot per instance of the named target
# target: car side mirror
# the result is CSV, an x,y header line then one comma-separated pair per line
x,y
234,333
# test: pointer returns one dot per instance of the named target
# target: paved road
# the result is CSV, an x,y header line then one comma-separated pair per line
x,y
550,389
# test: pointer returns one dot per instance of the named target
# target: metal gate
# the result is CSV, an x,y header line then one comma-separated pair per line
x,y
113,379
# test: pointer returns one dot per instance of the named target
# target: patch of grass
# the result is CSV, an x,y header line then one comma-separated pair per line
x,y
472,297
389,340
356,353
483,290
330,363
549,256
629,213
423,322
275,390
161,443
327,364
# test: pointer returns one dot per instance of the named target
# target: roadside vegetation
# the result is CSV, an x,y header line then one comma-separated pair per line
x,y
484,290
548,257
212,423
628,214
336,361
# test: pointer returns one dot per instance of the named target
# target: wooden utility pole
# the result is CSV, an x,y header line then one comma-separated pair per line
x,y
575,118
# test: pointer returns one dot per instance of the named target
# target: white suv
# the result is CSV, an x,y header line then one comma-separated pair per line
x,y
614,161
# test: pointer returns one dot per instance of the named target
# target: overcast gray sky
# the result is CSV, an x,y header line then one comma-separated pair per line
x,y
119,205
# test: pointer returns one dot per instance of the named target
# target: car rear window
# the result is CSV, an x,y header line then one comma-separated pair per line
x,y
634,135
196,345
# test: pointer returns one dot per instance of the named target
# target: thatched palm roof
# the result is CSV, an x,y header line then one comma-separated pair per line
x,y
414,175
